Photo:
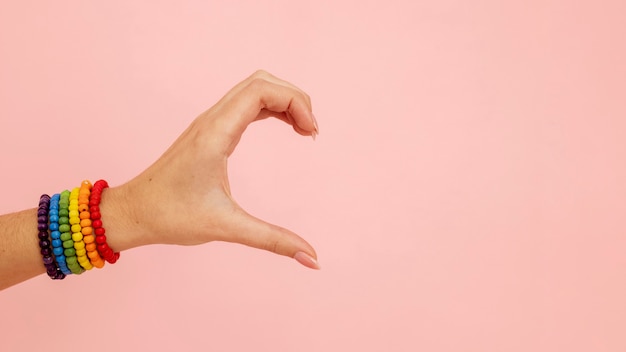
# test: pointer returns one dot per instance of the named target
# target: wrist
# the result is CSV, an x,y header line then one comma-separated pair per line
x,y
119,218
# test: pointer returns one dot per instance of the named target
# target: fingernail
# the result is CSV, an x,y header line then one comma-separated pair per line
x,y
317,128
313,135
306,260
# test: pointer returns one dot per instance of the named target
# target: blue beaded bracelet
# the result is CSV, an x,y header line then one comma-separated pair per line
x,y
55,234
52,269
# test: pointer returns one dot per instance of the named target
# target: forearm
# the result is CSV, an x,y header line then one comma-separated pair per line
x,y
20,257
19,251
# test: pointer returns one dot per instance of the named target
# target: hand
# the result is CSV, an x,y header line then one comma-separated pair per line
x,y
184,197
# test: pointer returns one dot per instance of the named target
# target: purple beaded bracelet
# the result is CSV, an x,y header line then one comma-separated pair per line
x,y
52,269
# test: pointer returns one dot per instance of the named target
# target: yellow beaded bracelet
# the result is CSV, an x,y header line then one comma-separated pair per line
x,y
77,236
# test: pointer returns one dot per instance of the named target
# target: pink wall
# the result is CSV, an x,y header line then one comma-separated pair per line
x,y
467,191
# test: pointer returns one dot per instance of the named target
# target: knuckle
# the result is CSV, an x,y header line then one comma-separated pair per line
x,y
257,83
260,73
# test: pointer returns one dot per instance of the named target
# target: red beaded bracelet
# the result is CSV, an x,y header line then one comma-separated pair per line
x,y
94,209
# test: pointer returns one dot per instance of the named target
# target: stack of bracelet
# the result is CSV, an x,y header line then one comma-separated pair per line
x,y
71,219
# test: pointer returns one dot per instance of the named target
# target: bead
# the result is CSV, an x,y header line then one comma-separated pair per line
x,y
101,239
48,260
99,231
93,254
97,223
83,207
87,230
65,236
81,252
85,264
63,221
57,243
76,228
57,251
44,243
42,227
46,251
64,228
68,244
88,238
90,246
79,245
76,269
84,215
85,223
43,235
74,220
77,236
63,212
69,252
73,207
54,225
55,235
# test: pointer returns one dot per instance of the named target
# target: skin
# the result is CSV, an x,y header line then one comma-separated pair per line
x,y
189,179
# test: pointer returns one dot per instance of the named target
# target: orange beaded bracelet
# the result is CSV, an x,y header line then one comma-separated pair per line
x,y
85,222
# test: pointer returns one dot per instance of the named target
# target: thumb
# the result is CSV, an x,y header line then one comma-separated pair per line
x,y
254,232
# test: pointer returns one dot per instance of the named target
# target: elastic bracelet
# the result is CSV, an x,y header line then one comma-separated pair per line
x,y
85,223
55,234
52,269
94,207
76,228
66,234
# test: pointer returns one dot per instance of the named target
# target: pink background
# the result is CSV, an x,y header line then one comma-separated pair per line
x,y
467,191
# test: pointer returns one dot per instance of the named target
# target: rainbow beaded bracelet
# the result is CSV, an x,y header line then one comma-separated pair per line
x,y
71,236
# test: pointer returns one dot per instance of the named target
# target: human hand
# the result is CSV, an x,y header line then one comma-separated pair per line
x,y
184,197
